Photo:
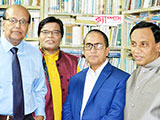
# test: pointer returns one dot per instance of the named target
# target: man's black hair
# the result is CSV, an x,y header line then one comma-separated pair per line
x,y
51,20
155,29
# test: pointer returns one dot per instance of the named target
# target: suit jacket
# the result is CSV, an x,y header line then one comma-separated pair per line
x,y
107,98
143,93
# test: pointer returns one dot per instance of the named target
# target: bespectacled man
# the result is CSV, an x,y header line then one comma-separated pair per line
x,y
97,92
16,20
59,66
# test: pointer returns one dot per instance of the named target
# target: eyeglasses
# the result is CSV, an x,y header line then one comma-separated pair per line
x,y
13,21
96,46
54,32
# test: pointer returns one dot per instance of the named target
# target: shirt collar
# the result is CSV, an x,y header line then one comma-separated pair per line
x,y
154,63
7,45
53,56
151,65
98,71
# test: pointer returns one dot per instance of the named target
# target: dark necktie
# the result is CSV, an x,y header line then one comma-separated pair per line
x,y
18,99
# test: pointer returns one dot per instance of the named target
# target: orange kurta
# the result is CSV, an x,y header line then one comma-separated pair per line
x,y
55,84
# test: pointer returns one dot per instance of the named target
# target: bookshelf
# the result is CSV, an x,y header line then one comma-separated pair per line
x,y
133,12
35,8
78,17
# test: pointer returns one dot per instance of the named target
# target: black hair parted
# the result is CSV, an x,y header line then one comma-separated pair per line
x,y
155,29
51,20
100,32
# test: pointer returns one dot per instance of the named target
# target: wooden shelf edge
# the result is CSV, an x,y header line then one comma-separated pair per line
x,y
28,7
31,39
71,46
128,12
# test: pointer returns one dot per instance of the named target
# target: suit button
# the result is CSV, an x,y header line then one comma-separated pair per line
x,y
132,104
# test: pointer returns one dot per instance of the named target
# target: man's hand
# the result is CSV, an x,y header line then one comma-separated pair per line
x,y
39,117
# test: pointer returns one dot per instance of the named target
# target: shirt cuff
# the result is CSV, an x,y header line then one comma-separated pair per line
x,y
40,111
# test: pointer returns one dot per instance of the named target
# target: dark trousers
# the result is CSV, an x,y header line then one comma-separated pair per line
x,y
27,117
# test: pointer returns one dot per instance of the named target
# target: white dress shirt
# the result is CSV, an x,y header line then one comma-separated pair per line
x,y
90,81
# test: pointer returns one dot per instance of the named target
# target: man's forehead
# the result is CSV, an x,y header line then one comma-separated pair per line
x,y
94,36
17,12
18,9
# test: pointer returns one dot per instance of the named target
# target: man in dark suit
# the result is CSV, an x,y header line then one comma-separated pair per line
x,y
97,92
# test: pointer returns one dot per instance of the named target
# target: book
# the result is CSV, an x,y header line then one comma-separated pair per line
x,y
138,4
147,4
77,36
68,35
118,42
114,34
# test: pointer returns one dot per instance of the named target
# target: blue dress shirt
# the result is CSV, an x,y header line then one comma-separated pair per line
x,y
34,85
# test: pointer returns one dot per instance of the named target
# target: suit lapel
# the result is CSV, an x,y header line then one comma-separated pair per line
x,y
101,79
81,83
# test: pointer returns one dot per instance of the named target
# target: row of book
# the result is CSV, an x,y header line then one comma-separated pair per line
x,y
138,4
20,2
129,65
76,52
115,61
85,6
114,57
131,20
128,24
33,27
74,34
83,63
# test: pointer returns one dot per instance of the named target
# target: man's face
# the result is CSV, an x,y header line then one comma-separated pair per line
x,y
95,57
15,31
143,47
50,37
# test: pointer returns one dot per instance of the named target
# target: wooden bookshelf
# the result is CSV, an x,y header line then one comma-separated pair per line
x,y
74,47
70,14
130,12
31,39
